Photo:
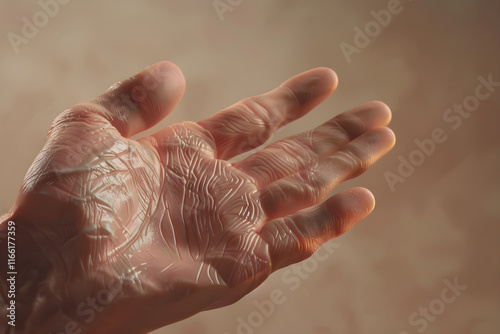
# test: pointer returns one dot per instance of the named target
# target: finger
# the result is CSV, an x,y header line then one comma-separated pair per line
x,y
141,101
180,143
292,154
296,237
311,185
250,122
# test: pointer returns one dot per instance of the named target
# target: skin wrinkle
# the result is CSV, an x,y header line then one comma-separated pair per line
x,y
174,248
238,124
169,217
264,115
131,240
222,202
240,120
298,235
336,123
346,122
303,154
338,219
167,222
194,254
291,93
257,133
356,165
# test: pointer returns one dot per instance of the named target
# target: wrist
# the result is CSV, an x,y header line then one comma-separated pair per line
x,y
28,280
47,298
33,281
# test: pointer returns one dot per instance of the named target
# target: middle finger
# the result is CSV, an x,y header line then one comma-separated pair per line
x,y
293,154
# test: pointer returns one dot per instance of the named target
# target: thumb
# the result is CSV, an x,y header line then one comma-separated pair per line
x,y
141,101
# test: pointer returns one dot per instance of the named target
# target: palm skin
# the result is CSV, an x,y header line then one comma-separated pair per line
x,y
167,218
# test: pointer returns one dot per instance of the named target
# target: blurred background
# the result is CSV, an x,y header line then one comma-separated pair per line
x,y
427,259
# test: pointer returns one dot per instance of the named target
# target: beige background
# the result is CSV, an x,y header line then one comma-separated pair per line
x,y
441,223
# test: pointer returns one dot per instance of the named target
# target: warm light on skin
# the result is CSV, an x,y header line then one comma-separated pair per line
x,y
166,225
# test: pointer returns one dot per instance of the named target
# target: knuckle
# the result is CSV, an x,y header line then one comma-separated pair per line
x,y
258,110
349,125
336,221
311,183
300,152
79,114
354,163
301,239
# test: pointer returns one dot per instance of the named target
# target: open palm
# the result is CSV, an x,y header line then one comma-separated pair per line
x,y
168,219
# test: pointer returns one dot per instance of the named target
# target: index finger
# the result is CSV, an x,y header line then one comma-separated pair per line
x,y
251,122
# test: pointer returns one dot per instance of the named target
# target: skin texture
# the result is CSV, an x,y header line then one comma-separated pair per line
x,y
116,235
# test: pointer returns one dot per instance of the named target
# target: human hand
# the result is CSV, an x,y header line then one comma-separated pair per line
x,y
158,229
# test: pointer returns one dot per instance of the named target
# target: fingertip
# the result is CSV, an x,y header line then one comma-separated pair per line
x,y
330,77
366,198
144,99
169,81
380,141
349,207
382,109
312,86
389,137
